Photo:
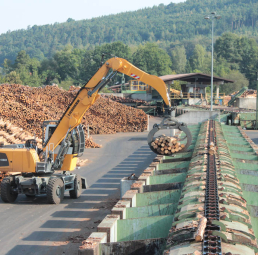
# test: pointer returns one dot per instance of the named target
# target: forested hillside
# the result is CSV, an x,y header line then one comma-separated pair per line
x,y
164,24
160,40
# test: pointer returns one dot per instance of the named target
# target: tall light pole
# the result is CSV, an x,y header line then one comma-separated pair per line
x,y
212,16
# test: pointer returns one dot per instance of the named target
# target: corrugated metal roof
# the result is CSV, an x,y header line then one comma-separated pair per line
x,y
192,76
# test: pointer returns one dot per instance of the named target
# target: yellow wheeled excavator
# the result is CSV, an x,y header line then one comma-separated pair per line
x,y
62,142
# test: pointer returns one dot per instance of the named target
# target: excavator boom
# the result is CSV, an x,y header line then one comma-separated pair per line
x,y
63,141
88,94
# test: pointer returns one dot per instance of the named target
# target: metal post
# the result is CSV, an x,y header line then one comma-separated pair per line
x,y
195,90
256,126
88,132
123,83
212,63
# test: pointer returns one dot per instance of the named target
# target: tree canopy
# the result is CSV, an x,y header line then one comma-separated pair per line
x,y
181,23
235,58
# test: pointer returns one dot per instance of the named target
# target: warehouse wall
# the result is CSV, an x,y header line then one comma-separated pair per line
x,y
248,103
195,117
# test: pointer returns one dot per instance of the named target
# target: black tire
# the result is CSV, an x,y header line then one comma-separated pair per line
x,y
77,187
7,195
55,191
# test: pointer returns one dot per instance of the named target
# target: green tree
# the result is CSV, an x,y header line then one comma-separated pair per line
x,y
7,66
227,46
179,59
239,79
249,63
198,59
13,78
22,60
48,72
27,69
91,60
67,63
152,59
221,67
67,83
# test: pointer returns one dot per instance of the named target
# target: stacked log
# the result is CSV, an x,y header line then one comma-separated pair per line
x,y
126,100
166,145
11,134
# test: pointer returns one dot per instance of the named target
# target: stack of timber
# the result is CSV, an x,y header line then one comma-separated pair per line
x,y
11,134
126,100
27,107
166,145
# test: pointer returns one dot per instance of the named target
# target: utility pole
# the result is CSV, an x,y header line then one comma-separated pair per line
x,y
123,83
212,17
256,123
212,22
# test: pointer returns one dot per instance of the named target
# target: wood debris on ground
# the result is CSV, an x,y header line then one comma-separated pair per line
x,y
81,162
89,143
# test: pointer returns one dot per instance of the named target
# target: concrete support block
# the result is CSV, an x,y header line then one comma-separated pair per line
x,y
120,208
125,185
145,177
91,245
160,187
109,225
147,246
149,170
130,195
176,159
158,159
171,171
138,185
155,165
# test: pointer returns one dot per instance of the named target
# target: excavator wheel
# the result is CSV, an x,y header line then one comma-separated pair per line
x,y
77,187
55,191
7,193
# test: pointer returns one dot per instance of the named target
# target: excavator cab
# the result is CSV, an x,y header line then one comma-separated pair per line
x,y
31,144
66,153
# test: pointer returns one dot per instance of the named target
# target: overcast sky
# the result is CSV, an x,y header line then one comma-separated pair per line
x,y
19,14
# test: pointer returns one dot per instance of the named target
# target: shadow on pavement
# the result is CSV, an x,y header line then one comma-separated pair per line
x,y
75,222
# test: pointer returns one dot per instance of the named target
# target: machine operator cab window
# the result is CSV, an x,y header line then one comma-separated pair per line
x,y
32,144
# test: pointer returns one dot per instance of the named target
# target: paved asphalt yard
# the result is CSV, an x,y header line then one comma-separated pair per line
x,y
32,226
253,134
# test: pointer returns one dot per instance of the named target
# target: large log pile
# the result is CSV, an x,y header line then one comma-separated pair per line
x,y
27,107
23,109
126,100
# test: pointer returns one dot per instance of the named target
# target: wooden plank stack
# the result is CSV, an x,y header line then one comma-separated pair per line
x,y
166,145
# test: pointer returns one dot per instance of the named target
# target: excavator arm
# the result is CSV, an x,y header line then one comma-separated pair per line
x,y
88,94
